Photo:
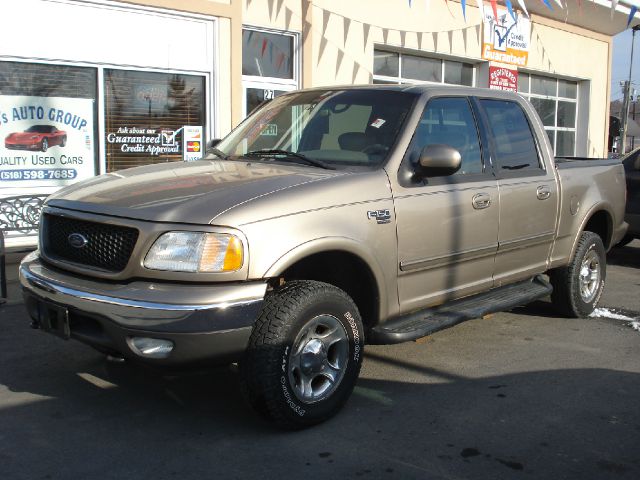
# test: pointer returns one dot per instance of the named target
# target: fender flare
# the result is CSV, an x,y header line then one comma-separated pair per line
x,y
598,207
340,244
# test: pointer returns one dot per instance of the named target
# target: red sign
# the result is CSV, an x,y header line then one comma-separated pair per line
x,y
501,78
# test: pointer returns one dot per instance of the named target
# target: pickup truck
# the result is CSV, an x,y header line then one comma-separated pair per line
x,y
329,219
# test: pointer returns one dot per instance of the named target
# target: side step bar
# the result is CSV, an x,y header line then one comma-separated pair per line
x,y
421,323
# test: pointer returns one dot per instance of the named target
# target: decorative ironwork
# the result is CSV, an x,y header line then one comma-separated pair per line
x,y
21,214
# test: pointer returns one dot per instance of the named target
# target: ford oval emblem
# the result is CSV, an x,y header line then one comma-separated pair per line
x,y
77,240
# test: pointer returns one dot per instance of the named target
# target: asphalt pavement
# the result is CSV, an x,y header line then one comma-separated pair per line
x,y
523,394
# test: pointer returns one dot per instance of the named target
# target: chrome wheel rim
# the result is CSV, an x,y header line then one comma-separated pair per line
x,y
590,275
318,359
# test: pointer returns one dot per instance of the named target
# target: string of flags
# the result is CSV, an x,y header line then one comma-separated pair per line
x,y
633,9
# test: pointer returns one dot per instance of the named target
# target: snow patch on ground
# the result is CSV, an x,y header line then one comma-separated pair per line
x,y
610,313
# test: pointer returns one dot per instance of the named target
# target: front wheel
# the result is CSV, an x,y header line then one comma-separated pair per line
x,y
304,354
45,145
578,286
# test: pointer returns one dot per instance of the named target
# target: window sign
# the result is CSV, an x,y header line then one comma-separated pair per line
x,y
501,78
145,113
47,141
192,138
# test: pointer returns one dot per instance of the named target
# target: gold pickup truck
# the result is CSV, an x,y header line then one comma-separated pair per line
x,y
329,219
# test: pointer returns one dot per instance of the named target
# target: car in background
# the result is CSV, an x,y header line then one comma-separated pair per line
x,y
36,137
631,164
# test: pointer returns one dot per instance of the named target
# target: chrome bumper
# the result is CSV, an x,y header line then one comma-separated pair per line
x,y
206,322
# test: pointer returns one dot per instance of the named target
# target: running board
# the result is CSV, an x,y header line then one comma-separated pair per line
x,y
419,324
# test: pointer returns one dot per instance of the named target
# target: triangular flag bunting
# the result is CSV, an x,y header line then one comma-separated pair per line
x,y
481,8
548,5
464,8
632,14
510,10
524,7
494,6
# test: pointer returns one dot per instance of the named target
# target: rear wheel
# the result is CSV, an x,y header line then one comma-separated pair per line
x,y
578,286
44,146
304,354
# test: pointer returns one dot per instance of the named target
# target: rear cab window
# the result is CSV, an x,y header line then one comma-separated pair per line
x,y
515,148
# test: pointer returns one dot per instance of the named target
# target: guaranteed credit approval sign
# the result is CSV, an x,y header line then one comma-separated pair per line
x,y
505,39
45,141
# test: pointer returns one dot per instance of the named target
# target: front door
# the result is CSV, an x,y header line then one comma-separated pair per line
x,y
447,226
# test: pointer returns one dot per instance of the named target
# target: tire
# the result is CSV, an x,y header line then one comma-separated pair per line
x,y
304,354
63,142
45,145
578,286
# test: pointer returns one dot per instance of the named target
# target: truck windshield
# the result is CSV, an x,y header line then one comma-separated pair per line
x,y
322,128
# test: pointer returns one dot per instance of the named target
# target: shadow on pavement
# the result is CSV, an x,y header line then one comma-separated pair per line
x,y
66,413
627,256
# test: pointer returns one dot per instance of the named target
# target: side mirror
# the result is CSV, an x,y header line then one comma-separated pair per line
x,y
438,160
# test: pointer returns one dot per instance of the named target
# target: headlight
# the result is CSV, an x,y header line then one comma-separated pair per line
x,y
195,252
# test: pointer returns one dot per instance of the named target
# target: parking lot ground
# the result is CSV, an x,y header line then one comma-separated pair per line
x,y
523,394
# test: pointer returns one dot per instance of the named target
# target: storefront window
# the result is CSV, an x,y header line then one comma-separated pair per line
x,y
145,113
267,54
268,66
556,101
47,132
396,67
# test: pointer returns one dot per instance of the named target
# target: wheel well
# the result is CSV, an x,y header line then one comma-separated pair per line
x,y
600,223
347,272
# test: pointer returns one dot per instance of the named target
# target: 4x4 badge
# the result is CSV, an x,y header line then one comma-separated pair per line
x,y
381,216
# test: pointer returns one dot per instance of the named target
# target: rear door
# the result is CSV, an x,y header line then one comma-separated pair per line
x,y
528,192
447,225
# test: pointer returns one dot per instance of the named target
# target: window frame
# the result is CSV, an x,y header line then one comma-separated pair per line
x,y
273,83
487,135
556,98
400,79
102,101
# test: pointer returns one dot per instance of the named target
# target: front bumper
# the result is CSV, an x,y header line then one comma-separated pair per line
x,y
206,323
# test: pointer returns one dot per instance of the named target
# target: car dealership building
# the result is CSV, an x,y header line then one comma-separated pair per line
x,y
92,87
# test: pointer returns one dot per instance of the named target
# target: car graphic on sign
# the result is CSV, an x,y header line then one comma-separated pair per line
x,y
36,137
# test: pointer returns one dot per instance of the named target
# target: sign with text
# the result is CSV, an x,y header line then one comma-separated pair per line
x,y
47,141
192,143
505,39
502,78
152,141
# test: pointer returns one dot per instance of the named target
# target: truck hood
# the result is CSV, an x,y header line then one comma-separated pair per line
x,y
184,192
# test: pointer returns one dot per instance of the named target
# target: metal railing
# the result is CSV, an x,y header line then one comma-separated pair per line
x,y
20,214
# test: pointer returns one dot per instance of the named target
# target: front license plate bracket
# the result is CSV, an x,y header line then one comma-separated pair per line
x,y
54,319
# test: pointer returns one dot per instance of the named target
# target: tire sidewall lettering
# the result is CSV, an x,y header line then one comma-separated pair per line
x,y
356,335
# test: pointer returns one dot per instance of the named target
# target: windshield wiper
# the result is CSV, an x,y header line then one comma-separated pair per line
x,y
218,153
275,152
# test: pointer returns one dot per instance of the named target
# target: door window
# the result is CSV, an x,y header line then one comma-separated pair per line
x,y
449,121
515,148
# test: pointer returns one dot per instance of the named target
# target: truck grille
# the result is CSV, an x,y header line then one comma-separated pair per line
x,y
107,246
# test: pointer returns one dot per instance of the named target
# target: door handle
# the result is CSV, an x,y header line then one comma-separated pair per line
x,y
543,192
481,200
